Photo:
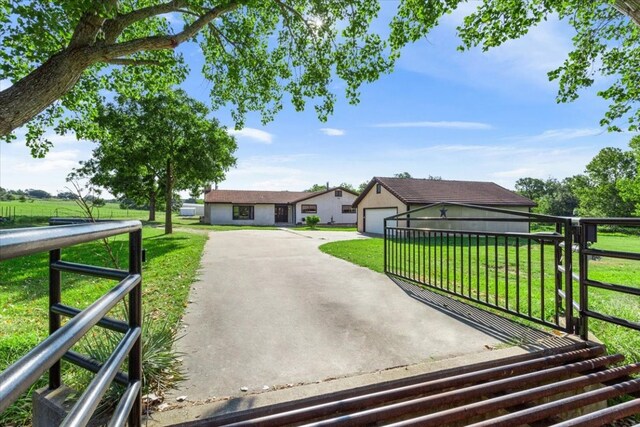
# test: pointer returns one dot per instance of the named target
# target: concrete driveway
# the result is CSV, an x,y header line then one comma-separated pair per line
x,y
270,309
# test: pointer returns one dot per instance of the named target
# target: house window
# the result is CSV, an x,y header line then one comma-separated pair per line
x,y
348,209
242,212
378,188
338,193
309,208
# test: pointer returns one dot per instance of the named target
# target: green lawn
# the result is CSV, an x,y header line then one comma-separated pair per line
x,y
505,283
38,211
172,262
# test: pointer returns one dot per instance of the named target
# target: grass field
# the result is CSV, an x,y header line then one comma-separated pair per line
x,y
172,262
38,211
484,274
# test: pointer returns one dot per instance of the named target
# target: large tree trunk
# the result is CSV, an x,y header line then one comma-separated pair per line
x,y
152,206
168,226
31,95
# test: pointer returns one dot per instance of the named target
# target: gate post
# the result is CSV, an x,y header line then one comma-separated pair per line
x,y
568,276
135,320
385,245
584,298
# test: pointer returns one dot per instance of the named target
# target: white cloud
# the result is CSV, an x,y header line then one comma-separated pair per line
x,y
332,131
440,124
55,161
559,135
257,135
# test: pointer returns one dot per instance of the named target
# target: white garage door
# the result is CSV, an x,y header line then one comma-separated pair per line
x,y
374,219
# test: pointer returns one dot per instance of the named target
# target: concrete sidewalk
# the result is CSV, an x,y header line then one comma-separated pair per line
x,y
270,309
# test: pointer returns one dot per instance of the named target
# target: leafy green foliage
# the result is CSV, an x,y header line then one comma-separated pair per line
x,y
606,43
404,175
630,187
312,220
152,147
316,188
64,57
598,189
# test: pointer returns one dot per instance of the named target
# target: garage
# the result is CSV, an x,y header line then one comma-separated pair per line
x,y
374,219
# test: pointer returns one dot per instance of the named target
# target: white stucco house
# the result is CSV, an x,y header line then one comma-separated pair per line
x,y
246,207
385,197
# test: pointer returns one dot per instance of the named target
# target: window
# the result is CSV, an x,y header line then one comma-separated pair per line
x,y
242,212
348,209
338,193
378,188
309,208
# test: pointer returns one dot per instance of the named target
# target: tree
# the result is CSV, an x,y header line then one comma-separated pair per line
x,y
403,175
598,190
362,187
62,56
630,187
531,188
67,195
347,186
559,198
38,194
316,188
167,139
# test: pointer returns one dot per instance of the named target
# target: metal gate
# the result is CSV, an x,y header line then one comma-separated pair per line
x,y
492,257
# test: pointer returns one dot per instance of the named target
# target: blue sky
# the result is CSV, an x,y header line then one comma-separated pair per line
x,y
459,115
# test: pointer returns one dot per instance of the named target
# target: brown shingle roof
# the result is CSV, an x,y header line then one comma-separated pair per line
x,y
425,191
266,197
253,197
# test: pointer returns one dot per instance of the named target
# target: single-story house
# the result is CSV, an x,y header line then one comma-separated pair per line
x,y
242,207
385,197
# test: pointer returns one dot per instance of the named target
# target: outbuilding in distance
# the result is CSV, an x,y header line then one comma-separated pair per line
x,y
385,197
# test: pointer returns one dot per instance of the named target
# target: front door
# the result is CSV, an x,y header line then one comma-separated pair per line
x,y
282,213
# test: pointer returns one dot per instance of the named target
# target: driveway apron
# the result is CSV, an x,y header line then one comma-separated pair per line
x,y
270,309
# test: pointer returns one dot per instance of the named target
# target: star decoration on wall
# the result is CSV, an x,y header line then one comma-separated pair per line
x,y
443,213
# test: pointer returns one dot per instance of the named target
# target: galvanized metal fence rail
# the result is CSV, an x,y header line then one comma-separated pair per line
x,y
21,375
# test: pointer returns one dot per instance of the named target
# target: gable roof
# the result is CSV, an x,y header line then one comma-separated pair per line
x,y
425,191
253,197
263,197
320,193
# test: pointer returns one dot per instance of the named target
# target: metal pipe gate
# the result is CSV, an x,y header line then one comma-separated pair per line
x,y
522,273
21,375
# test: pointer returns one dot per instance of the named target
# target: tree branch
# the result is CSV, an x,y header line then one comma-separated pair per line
x,y
135,62
163,42
114,27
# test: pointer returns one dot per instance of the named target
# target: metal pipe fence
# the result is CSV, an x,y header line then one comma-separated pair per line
x,y
21,375
588,279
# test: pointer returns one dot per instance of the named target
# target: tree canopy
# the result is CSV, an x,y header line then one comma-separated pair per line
x,y
609,187
66,56
151,148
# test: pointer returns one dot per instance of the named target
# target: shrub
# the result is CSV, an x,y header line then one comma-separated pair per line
x,y
312,220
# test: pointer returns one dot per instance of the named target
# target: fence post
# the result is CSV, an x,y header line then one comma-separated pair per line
x,y
135,320
584,298
568,275
54,319
558,274
385,245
